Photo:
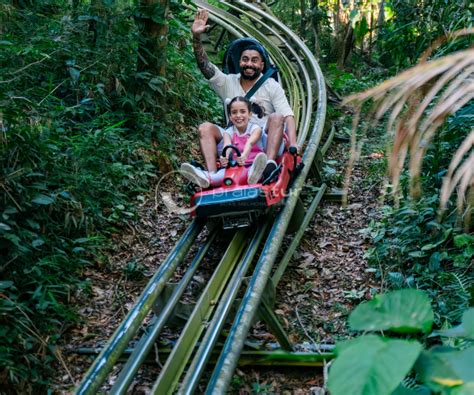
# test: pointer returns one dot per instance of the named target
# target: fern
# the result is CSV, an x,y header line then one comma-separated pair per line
x,y
454,295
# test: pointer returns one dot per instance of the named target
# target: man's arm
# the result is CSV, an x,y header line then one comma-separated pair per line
x,y
199,26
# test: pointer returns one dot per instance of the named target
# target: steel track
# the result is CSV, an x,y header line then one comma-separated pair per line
x,y
304,83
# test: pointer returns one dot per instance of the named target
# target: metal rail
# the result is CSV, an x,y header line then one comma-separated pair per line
x,y
227,363
107,359
198,364
144,346
299,70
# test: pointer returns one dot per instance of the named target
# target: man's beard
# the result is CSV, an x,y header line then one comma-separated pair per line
x,y
250,77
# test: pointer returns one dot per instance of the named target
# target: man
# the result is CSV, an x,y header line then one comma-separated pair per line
x,y
275,111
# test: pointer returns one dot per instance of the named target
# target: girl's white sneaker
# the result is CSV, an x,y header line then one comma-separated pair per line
x,y
256,170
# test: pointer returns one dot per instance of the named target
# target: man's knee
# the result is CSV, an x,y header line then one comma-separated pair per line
x,y
276,119
206,129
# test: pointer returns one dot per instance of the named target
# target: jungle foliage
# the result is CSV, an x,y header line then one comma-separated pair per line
x,y
85,128
418,241
382,33
93,99
423,239
405,356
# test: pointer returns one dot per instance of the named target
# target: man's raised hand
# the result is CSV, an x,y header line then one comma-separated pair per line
x,y
200,22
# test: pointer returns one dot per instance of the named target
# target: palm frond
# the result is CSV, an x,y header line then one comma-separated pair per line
x,y
417,102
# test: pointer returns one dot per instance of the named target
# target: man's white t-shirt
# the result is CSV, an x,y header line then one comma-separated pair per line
x,y
270,96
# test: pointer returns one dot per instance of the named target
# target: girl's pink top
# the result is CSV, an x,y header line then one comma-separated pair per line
x,y
239,140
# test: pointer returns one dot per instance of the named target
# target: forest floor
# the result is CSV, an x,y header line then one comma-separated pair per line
x,y
326,278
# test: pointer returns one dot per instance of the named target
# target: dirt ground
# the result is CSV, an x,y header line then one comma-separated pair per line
x,y
326,278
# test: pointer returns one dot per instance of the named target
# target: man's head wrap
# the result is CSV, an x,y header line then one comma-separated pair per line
x,y
254,47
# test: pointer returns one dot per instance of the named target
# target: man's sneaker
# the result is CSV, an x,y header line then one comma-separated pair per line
x,y
270,167
195,175
256,170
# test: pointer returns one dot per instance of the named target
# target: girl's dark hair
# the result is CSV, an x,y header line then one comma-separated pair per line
x,y
239,99
253,107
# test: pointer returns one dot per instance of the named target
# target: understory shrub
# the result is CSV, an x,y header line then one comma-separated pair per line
x,y
80,133
414,246
402,355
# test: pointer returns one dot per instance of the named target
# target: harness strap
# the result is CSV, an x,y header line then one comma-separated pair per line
x,y
259,83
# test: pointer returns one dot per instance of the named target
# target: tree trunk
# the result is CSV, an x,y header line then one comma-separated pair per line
x,y
336,41
381,16
315,27
347,46
97,10
303,19
343,42
371,30
152,56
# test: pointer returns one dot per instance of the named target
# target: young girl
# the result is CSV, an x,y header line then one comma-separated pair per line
x,y
243,134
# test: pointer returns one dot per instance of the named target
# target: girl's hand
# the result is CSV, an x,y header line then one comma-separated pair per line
x,y
241,159
224,161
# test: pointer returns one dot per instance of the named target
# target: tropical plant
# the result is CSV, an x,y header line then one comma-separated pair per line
x,y
82,132
420,100
403,362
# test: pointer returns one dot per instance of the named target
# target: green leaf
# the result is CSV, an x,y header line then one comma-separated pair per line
x,y
444,367
37,243
354,15
427,247
443,239
466,389
463,240
33,224
402,311
371,365
13,238
4,227
82,240
43,200
417,254
5,284
10,210
74,73
466,329
158,14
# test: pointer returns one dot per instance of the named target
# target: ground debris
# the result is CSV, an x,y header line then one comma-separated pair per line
x,y
326,278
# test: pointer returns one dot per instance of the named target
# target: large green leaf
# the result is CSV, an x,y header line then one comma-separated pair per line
x,y
415,389
445,367
43,199
466,329
465,389
371,365
402,311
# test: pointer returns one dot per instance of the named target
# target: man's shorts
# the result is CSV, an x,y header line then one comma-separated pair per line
x,y
220,146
